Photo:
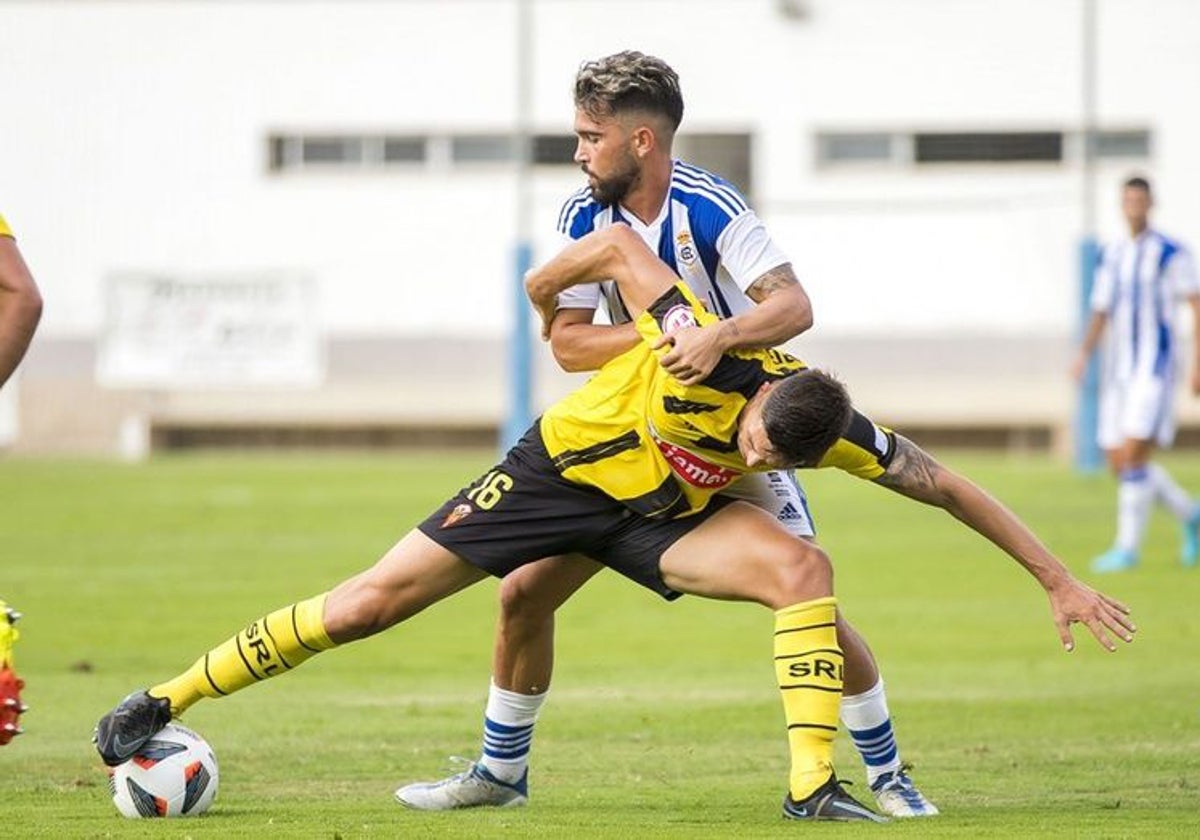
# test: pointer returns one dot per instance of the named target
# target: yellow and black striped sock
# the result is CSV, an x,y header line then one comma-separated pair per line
x,y
808,665
270,646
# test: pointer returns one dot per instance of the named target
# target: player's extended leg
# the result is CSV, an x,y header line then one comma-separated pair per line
x,y
1135,496
1182,506
741,553
522,663
865,714
414,574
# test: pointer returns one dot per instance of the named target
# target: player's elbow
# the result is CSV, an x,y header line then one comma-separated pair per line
x,y
32,305
569,358
802,311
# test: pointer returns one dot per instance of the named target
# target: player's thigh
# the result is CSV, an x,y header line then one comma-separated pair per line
x,y
545,585
415,573
741,553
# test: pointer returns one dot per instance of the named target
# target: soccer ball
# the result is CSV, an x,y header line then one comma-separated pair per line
x,y
174,774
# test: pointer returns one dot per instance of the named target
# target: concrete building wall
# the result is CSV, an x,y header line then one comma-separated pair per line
x,y
137,139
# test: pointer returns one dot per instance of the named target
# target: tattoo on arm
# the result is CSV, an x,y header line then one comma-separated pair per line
x,y
772,281
913,473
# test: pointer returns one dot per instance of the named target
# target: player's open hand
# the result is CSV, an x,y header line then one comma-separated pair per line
x,y
1075,602
693,353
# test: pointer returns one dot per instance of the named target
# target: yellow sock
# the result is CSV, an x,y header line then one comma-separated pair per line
x,y
808,665
270,646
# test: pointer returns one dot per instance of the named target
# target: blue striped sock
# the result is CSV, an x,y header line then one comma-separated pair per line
x,y
508,732
877,746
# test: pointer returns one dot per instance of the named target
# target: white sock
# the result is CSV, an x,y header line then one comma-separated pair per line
x,y
508,732
869,723
1135,494
1173,497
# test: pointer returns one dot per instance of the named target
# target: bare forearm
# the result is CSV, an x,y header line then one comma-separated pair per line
x,y
617,254
1095,329
779,318
917,475
581,347
783,311
20,308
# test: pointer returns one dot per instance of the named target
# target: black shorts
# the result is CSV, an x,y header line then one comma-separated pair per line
x,y
523,510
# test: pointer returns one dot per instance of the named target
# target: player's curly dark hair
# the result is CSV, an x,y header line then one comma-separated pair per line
x,y
804,415
629,81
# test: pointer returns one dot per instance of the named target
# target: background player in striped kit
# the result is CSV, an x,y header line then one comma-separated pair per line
x,y
1139,282
20,304
627,108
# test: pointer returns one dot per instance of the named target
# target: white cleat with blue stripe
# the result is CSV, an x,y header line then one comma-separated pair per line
x,y
475,787
897,796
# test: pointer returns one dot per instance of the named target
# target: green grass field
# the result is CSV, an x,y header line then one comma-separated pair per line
x,y
664,720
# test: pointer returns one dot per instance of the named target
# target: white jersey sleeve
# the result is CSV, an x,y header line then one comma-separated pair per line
x,y
1181,274
747,250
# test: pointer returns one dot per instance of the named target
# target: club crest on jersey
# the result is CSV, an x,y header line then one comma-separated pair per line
x,y
683,247
457,515
696,471
678,317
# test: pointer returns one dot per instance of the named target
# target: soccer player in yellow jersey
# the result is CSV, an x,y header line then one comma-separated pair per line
x,y
651,513
20,304
628,108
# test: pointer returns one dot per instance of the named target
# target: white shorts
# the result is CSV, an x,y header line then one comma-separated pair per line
x,y
779,494
1138,409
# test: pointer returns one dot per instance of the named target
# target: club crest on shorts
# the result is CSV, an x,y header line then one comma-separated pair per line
x,y
457,515
678,317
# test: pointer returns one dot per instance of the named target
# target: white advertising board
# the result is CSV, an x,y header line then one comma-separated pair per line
x,y
180,332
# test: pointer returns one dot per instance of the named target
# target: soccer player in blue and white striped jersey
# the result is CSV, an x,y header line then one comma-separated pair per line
x,y
1140,281
628,107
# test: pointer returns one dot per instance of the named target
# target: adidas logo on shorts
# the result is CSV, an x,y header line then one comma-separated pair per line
x,y
789,513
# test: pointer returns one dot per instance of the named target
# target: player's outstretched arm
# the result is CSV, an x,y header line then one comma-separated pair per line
x,y
1091,339
914,473
20,307
615,253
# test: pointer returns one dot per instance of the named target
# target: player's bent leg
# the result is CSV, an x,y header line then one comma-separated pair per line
x,y
522,664
414,574
865,714
523,657
742,553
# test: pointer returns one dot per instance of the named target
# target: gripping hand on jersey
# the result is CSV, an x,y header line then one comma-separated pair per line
x,y
694,351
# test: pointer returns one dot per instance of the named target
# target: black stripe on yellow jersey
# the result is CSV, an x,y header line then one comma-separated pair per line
x,y
664,448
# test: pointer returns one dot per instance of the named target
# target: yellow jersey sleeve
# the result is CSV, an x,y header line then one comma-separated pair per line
x,y
864,451
5,230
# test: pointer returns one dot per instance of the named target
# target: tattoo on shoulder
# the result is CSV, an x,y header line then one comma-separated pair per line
x,y
780,277
912,471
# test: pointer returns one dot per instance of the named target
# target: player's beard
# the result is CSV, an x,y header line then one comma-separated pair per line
x,y
613,189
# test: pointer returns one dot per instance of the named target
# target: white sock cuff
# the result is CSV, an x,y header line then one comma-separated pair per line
x,y
512,708
866,710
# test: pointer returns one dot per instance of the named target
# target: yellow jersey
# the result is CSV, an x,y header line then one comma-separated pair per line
x,y
664,448
5,230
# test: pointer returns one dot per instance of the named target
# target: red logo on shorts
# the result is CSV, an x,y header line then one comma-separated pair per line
x,y
457,515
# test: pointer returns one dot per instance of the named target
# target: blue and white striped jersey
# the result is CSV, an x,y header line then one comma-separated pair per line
x,y
1139,282
705,232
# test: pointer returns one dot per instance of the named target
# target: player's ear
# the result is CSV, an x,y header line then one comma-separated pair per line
x,y
643,140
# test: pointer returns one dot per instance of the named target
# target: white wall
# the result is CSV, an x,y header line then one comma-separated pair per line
x,y
135,133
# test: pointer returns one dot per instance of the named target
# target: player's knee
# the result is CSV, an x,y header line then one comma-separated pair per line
x,y
520,608
804,572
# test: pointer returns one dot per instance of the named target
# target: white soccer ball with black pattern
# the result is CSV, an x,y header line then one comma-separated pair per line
x,y
174,774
